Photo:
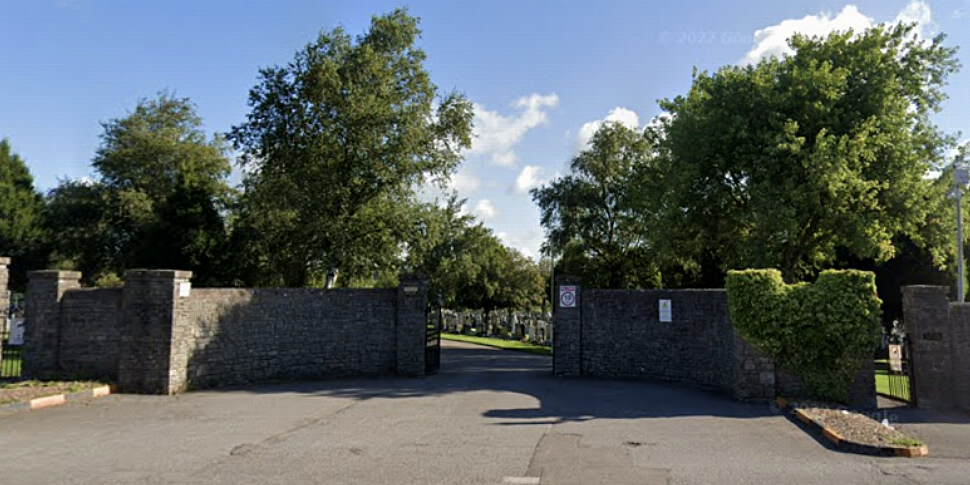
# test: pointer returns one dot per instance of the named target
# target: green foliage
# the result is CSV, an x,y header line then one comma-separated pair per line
x,y
468,264
782,163
591,215
821,332
334,145
21,208
157,202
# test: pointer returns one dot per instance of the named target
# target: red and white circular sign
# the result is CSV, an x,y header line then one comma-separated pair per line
x,y
567,297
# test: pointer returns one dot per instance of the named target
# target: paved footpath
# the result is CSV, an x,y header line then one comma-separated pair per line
x,y
490,417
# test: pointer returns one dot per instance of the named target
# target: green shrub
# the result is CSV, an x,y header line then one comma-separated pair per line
x,y
821,332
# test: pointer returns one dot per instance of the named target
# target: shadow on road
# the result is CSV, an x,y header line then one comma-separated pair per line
x,y
470,368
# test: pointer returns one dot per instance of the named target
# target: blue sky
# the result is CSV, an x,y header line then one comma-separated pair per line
x,y
541,73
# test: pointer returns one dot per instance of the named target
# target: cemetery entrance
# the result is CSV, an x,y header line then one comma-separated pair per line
x,y
432,347
895,378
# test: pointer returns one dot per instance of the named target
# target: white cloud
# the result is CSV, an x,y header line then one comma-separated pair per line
x,y
527,242
773,41
919,13
464,183
955,150
528,179
620,115
485,210
496,135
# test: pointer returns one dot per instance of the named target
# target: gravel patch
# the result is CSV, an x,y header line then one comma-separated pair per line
x,y
856,427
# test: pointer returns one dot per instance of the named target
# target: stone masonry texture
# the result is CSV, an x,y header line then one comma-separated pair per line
x,y
45,290
90,341
229,336
158,335
940,334
148,316
622,336
410,332
619,334
4,296
567,345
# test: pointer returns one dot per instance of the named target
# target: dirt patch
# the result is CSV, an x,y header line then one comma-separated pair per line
x,y
27,390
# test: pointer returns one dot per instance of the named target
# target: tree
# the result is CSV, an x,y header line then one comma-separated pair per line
x,y
337,139
21,210
158,201
591,216
468,264
784,163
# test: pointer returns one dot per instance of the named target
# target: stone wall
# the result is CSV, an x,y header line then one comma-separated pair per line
x,y
158,335
4,290
622,336
940,333
4,298
231,336
620,333
45,290
90,333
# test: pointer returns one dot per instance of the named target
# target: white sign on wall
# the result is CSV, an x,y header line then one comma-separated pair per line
x,y
16,331
665,311
567,297
185,289
895,357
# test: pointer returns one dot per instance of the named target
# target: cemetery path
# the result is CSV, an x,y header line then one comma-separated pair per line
x,y
489,417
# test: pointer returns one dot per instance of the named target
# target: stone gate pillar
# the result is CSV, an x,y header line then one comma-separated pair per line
x,y
567,347
939,331
4,299
412,304
42,321
149,312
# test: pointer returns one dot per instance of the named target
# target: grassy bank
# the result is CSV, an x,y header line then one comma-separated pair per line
x,y
499,343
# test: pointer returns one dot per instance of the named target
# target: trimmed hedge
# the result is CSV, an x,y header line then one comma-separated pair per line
x,y
822,333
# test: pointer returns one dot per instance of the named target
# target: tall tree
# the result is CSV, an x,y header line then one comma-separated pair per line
x,y
783,163
159,198
337,139
591,215
21,209
468,264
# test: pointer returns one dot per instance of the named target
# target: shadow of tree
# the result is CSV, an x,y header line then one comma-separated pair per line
x,y
468,369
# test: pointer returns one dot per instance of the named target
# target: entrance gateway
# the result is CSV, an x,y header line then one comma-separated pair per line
x,y
432,348
895,376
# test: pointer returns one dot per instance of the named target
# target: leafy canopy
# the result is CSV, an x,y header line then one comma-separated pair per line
x,y
336,141
157,202
783,163
21,210
592,216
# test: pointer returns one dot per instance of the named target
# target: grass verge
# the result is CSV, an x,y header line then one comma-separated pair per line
x,y
10,366
499,343
18,391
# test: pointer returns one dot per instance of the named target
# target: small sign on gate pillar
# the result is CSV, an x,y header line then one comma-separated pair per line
x,y
567,296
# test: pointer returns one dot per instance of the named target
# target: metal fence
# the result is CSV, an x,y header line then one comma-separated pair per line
x,y
11,358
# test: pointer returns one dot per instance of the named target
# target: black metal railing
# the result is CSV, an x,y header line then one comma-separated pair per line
x,y
432,348
895,377
11,360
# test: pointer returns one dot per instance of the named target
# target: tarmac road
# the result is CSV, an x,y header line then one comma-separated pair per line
x,y
490,417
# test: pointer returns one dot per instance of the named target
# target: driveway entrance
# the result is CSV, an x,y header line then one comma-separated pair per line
x,y
489,417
